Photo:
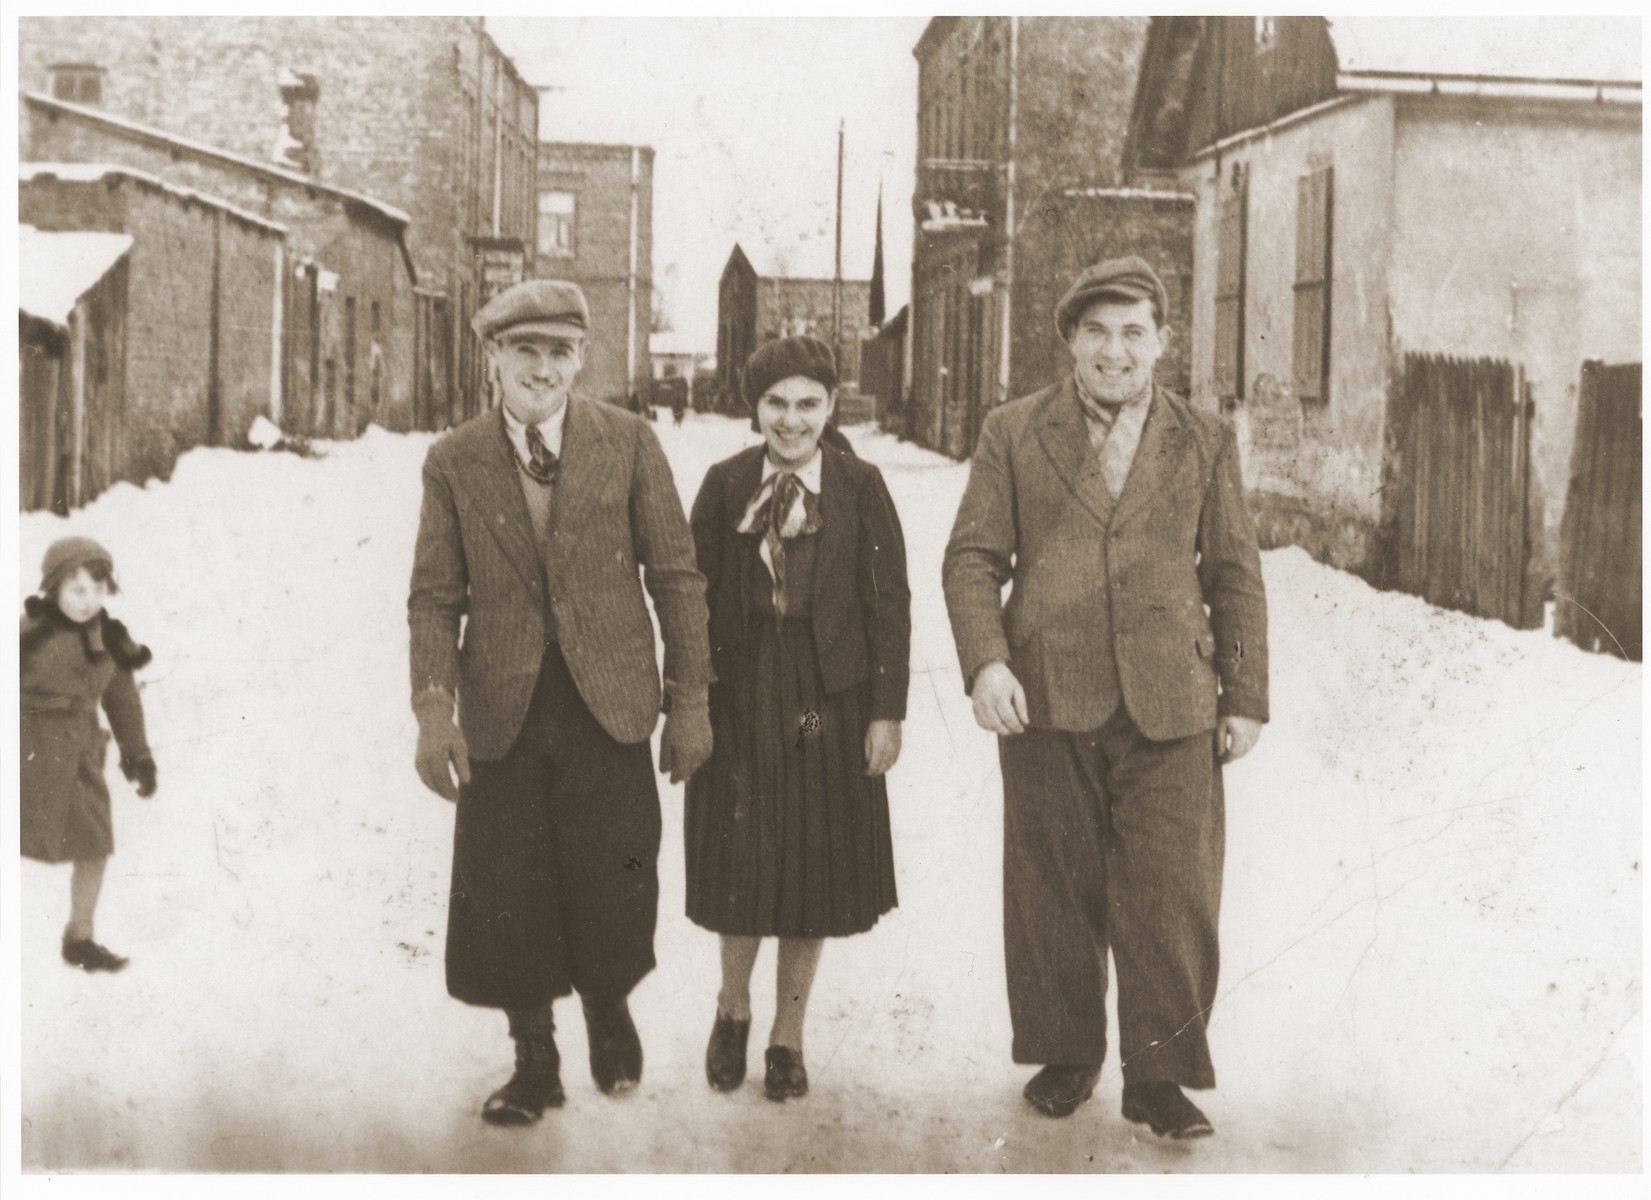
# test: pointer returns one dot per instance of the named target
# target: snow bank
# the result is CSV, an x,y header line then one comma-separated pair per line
x,y
1431,917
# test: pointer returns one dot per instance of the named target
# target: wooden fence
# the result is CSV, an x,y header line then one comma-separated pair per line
x,y
1459,432
1597,602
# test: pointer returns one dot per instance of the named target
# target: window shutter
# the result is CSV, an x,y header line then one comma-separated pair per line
x,y
1229,295
1312,288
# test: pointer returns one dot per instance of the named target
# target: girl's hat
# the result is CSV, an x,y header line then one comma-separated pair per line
x,y
67,555
784,357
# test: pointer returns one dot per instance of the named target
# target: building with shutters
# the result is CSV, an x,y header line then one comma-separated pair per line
x,y
1370,189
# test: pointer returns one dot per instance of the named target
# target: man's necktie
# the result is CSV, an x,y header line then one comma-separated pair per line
x,y
542,462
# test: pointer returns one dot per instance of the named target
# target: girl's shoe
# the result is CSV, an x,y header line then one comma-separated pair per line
x,y
787,1077
89,956
725,1055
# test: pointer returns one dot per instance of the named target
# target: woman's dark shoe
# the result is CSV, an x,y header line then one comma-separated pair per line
x,y
535,1086
725,1056
786,1077
1162,1107
1056,1091
615,1048
89,956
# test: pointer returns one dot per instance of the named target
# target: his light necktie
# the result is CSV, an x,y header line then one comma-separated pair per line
x,y
542,461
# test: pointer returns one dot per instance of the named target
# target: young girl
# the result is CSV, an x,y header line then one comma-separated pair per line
x,y
74,655
788,823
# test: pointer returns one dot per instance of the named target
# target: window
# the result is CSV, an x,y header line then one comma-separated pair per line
x,y
1266,33
78,83
1229,292
556,213
1314,194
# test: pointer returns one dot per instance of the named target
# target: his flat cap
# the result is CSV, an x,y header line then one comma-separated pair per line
x,y
552,307
1125,279
785,357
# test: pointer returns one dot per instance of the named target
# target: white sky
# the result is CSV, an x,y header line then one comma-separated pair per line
x,y
742,114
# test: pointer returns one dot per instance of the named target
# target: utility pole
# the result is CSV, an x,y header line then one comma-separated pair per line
x,y
837,277
1009,214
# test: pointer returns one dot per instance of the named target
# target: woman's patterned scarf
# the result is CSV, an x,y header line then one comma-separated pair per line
x,y
781,509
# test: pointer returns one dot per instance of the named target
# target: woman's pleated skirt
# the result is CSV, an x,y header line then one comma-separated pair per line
x,y
787,836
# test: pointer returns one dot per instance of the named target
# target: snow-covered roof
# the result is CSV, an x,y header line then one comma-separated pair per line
x,y
1572,49
54,270
95,172
151,133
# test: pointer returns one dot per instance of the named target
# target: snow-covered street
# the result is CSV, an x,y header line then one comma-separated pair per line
x,y
1430,932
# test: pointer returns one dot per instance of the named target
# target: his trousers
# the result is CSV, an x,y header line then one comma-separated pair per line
x,y
1112,839
555,852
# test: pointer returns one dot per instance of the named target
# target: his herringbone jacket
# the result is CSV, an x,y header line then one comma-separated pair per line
x,y
616,509
1110,596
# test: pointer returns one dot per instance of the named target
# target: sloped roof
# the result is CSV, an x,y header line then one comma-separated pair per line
x,y
93,172
54,270
1570,49
151,133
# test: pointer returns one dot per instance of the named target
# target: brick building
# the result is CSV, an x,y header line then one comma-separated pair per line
x,y
71,311
347,297
754,308
1021,182
425,113
1374,190
181,347
596,228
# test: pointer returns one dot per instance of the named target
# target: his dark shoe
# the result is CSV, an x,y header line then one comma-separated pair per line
x,y
535,1086
725,1056
1056,1091
1161,1106
786,1077
615,1048
89,956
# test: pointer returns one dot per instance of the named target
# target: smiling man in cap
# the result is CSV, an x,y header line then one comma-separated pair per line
x,y
537,519
1128,665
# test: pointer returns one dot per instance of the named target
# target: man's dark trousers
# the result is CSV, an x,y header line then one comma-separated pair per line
x,y
555,850
1112,839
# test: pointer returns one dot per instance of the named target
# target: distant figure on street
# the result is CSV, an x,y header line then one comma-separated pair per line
x,y
787,827
1118,512
74,657
535,521
679,404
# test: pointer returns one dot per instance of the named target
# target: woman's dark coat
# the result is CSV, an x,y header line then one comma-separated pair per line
x,y
861,601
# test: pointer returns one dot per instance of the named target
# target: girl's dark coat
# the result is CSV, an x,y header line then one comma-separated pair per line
x,y
65,671
861,601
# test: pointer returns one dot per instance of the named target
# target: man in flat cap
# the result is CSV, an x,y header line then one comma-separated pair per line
x,y
535,522
1129,664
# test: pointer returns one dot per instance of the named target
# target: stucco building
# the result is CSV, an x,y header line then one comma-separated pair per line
x,y
1374,189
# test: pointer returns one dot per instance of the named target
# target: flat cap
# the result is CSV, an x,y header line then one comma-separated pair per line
x,y
784,357
552,307
1130,278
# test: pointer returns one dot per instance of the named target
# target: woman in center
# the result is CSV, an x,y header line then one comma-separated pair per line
x,y
788,823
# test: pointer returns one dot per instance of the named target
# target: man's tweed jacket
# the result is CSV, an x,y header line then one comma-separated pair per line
x,y
616,509
1109,597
